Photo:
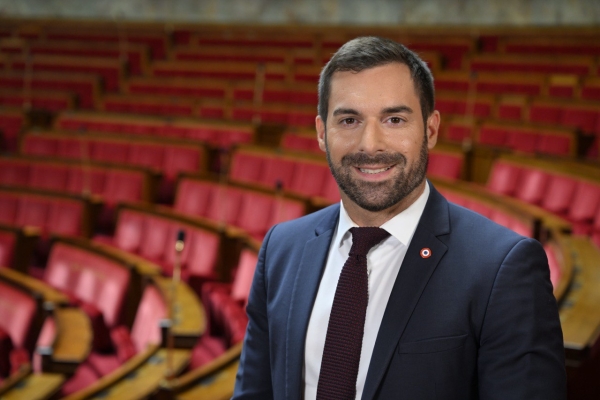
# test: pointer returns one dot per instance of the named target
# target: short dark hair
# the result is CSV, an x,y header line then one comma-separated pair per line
x,y
368,52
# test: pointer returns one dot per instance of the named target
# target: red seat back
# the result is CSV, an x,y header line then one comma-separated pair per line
x,y
532,185
14,173
113,152
129,231
32,211
277,169
123,186
65,217
503,178
48,176
559,194
193,197
244,274
146,326
146,155
8,208
7,247
86,181
17,313
225,205
39,145
155,237
309,178
246,167
586,201
255,212
445,165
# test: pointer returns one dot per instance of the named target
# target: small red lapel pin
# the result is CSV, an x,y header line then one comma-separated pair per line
x,y
425,252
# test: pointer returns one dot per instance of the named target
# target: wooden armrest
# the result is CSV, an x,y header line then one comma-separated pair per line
x,y
15,379
137,378
190,318
73,341
35,386
51,296
579,311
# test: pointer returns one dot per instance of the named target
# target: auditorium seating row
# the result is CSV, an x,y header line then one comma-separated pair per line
x,y
567,192
111,184
84,87
310,176
50,213
101,280
36,99
236,207
12,121
165,157
137,55
220,134
526,138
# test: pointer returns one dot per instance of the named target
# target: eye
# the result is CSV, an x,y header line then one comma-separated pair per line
x,y
396,120
348,121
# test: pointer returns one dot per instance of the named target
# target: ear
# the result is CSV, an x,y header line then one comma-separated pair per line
x,y
320,125
433,127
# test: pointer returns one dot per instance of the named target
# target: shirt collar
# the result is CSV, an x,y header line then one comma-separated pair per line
x,y
402,226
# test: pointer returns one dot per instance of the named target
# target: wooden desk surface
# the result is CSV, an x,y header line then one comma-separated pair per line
x,y
214,387
35,387
580,310
145,380
74,338
190,317
49,294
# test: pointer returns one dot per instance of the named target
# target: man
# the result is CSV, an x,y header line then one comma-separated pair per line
x,y
458,306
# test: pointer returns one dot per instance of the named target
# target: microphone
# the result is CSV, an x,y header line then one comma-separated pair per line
x,y
179,245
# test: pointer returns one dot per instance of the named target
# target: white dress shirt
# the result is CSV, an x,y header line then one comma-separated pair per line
x,y
383,263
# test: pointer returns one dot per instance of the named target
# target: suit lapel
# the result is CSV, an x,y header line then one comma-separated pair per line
x,y
410,283
304,292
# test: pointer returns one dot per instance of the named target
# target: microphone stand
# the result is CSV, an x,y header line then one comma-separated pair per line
x,y
179,245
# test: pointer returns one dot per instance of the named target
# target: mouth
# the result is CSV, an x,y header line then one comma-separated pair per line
x,y
373,171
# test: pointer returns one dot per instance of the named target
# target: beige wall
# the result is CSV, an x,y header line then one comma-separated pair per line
x,y
363,12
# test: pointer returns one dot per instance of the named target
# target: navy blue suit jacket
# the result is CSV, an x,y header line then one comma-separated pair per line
x,y
476,320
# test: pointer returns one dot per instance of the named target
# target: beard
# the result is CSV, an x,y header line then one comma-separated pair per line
x,y
378,196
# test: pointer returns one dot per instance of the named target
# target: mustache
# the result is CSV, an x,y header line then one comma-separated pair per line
x,y
365,159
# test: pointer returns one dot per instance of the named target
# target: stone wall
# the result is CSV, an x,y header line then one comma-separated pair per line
x,y
351,12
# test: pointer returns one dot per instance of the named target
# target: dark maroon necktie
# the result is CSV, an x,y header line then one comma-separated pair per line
x,y
343,343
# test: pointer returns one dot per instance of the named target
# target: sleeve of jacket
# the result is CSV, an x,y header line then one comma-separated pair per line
x,y
521,354
253,380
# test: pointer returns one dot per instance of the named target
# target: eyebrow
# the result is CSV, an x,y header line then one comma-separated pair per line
x,y
347,111
397,110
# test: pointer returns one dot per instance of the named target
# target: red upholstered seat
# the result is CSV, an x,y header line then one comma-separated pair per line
x,y
98,283
532,185
65,217
129,231
86,181
285,210
8,208
254,214
17,314
49,177
177,159
146,155
200,258
584,206
225,205
523,141
121,185
246,167
40,145
503,178
309,178
277,169
193,197
493,136
8,240
155,238
559,194
113,152
32,211
554,264
445,165
14,172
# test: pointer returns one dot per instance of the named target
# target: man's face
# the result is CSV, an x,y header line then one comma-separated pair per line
x,y
375,138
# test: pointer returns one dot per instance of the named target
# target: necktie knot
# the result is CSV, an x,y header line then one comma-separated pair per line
x,y
364,238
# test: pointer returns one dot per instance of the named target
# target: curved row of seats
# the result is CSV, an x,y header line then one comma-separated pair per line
x,y
165,157
567,191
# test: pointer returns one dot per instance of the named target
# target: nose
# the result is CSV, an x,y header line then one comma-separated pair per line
x,y
372,138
